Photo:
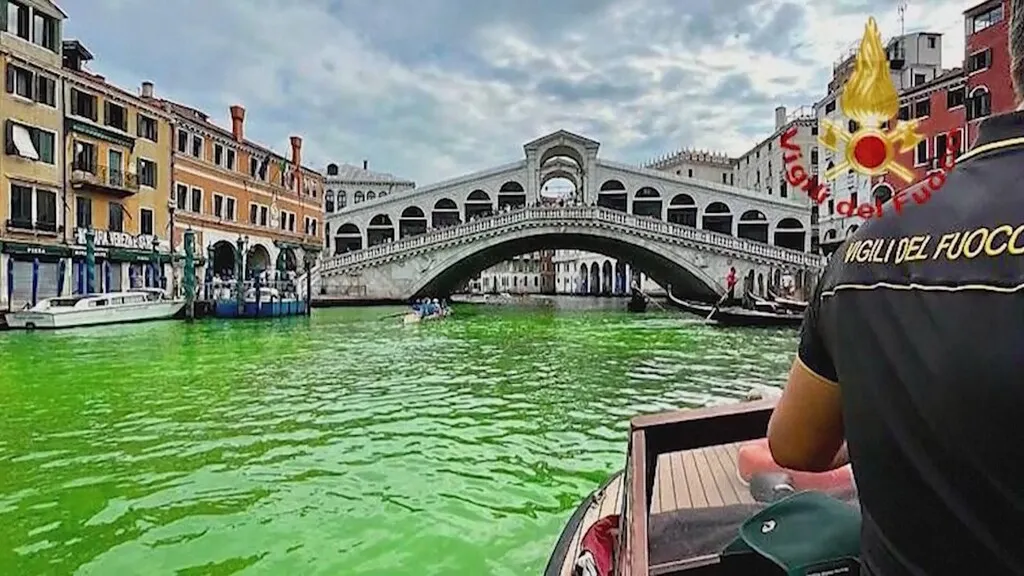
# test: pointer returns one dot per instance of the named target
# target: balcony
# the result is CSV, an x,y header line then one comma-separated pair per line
x,y
104,179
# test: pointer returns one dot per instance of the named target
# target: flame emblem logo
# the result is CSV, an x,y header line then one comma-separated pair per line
x,y
870,99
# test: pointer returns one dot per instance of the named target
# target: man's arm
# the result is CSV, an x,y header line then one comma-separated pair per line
x,y
806,429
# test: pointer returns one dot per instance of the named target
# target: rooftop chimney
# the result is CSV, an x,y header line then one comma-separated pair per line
x,y
147,89
366,164
780,117
238,122
296,151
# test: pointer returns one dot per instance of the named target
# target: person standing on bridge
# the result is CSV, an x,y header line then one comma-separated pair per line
x,y
915,364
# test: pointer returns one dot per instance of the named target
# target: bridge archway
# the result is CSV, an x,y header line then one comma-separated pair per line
x,y
790,233
445,213
753,225
594,282
647,202
613,195
478,205
380,230
347,238
583,280
412,222
682,209
718,218
257,259
607,278
562,151
224,258
687,280
511,196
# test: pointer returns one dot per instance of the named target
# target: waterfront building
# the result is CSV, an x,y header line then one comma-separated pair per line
x,y
522,274
699,164
33,233
241,198
587,273
989,88
118,179
348,185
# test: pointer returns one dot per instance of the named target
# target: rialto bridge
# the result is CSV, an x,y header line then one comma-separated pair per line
x,y
681,231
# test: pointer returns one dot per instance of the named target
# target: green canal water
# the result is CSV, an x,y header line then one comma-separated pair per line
x,y
341,444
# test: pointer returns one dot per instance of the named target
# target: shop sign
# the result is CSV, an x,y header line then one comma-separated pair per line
x,y
108,239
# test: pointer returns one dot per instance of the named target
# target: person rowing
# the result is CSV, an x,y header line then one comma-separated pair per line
x,y
910,359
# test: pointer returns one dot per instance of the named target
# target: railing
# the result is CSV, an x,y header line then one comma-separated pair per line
x,y
587,215
113,178
28,225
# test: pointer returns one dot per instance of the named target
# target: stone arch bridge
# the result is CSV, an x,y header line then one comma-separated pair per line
x,y
694,262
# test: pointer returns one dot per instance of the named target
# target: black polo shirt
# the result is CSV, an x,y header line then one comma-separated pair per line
x,y
919,318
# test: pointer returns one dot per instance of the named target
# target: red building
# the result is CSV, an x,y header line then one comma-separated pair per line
x,y
959,99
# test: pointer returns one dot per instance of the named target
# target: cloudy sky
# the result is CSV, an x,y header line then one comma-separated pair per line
x,y
431,89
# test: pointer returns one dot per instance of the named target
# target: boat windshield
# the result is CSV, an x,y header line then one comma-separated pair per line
x,y
64,302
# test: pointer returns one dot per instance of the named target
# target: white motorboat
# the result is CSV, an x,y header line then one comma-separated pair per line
x,y
139,305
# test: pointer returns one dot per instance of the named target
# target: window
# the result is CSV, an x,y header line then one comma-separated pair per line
x,y
689,173
264,215
45,32
853,126
830,107
312,227
979,105
146,221
85,157
115,217
814,156
197,146
218,205
921,153
45,144
218,154
182,141
253,213
725,179
986,19
922,108
46,90
284,220
932,43
19,81
181,196
230,159
291,222
46,210
229,209
83,212
147,172
920,79
21,206
941,141
904,113
147,128
83,105
196,204
956,97
115,116
979,61
254,166
18,20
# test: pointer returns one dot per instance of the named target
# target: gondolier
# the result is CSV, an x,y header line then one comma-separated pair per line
x,y
730,283
911,352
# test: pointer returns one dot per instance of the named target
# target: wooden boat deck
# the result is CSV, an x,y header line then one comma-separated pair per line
x,y
699,478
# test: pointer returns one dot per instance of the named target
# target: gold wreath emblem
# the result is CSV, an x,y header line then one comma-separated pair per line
x,y
870,99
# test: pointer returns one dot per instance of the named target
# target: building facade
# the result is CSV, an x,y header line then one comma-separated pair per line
x,y
702,165
32,167
989,88
118,147
347,185
250,208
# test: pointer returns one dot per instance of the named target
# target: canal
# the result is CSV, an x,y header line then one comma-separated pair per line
x,y
344,443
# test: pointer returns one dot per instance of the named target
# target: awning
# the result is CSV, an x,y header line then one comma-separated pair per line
x,y
121,255
24,249
23,142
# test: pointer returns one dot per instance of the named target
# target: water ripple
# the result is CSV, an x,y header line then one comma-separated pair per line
x,y
342,443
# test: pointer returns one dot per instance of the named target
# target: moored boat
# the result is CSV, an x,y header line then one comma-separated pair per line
x,y
681,507
732,316
140,305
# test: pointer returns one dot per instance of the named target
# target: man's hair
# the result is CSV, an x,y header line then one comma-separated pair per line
x,y
1017,47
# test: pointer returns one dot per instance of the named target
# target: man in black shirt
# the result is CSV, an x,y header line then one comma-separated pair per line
x,y
912,355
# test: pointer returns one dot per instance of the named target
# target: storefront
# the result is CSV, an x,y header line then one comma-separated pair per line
x,y
31,272
123,262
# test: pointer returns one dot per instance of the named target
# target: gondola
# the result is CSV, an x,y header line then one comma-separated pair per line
x,y
788,303
684,506
732,316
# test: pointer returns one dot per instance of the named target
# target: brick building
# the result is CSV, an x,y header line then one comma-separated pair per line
x,y
987,62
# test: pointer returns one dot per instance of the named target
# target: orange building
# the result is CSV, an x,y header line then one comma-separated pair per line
x,y
241,198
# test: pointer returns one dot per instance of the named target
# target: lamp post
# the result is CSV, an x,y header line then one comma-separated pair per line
x,y
174,275
240,246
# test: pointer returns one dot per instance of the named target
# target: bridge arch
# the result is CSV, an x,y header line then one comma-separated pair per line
x,y
682,209
511,195
445,213
753,225
647,202
478,204
584,279
380,230
790,233
686,279
613,195
412,222
257,259
562,151
594,283
718,218
224,254
347,238
607,278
